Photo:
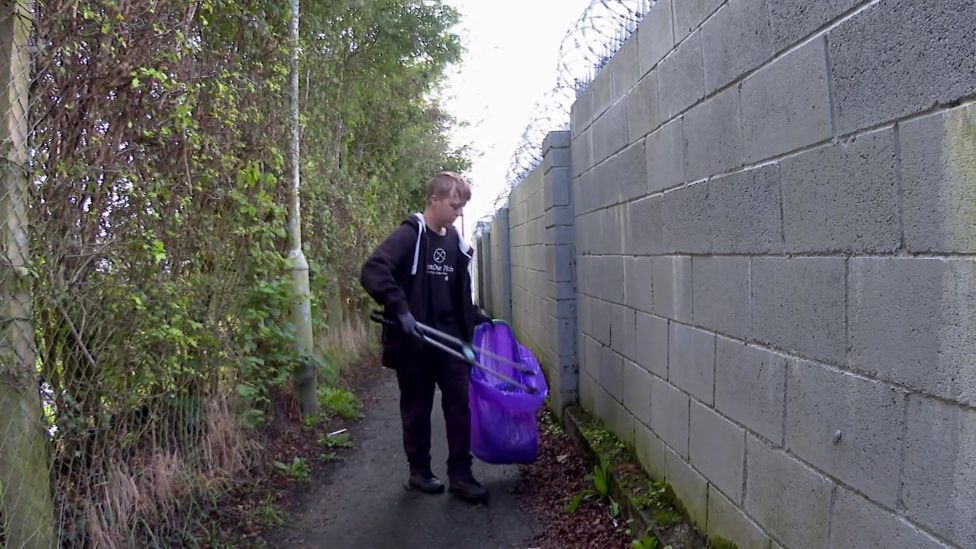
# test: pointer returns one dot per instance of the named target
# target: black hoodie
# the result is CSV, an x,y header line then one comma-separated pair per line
x,y
394,277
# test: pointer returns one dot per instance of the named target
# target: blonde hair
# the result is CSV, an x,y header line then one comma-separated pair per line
x,y
445,184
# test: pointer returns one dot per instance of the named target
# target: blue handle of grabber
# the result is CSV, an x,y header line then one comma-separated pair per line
x,y
467,355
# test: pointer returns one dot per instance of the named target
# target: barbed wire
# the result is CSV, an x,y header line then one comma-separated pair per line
x,y
587,46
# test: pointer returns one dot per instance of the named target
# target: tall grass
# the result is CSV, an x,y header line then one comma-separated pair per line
x,y
345,345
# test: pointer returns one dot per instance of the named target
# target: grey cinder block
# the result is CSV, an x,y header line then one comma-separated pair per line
x,y
938,160
745,212
610,132
611,373
637,392
750,387
857,522
643,108
689,14
799,305
897,58
556,158
786,497
912,323
666,157
599,320
587,389
843,198
623,327
786,105
625,174
869,416
638,276
721,294
687,224
691,487
586,228
626,71
560,216
589,349
601,93
645,227
557,195
682,78
581,152
586,193
940,469
717,449
556,139
650,450
606,277
671,280
615,226
727,520
652,344
669,415
713,136
791,20
736,40
655,35
581,113
691,361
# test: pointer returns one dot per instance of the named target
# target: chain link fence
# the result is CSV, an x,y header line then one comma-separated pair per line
x,y
26,506
126,270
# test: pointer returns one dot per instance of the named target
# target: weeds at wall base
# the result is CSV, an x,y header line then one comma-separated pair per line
x,y
651,506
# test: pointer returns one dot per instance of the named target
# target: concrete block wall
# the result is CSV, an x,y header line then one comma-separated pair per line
x,y
500,270
542,251
775,252
484,273
529,277
560,253
478,273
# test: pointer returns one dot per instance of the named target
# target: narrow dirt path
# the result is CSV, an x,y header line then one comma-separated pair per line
x,y
362,503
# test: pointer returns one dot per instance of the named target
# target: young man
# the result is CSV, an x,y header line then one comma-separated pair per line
x,y
420,273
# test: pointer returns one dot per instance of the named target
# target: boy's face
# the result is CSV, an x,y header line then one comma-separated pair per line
x,y
447,209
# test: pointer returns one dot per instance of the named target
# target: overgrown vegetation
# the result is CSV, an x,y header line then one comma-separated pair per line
x,y
650,504
340,402
339,440
600,480
159,183
297,468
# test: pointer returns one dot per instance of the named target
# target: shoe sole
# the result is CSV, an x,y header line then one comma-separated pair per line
x,y
468,498
413,487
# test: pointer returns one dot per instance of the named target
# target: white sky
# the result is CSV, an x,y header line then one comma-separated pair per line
x,y
510,62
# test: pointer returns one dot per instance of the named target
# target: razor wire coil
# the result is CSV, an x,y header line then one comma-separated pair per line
x,y
599,33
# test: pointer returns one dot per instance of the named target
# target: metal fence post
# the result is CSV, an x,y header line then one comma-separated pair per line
x,y
305,376
26,505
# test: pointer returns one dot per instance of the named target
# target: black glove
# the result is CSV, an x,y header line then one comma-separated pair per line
x,y
407,323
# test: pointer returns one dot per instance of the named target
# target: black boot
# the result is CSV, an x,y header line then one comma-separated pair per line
x,y
426,482
469,489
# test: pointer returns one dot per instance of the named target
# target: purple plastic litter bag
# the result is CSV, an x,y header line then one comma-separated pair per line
x,y
503,415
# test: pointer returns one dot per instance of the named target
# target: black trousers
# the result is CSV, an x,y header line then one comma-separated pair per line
x,y
417,382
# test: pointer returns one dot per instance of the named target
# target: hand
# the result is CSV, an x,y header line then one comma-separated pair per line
x,y
485,319
407,323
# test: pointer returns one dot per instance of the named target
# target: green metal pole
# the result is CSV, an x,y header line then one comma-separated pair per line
x,y
305,376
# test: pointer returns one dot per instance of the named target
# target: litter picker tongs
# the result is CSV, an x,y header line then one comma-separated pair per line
x,y
444,342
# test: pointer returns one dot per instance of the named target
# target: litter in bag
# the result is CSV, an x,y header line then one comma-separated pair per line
x,y
503,415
